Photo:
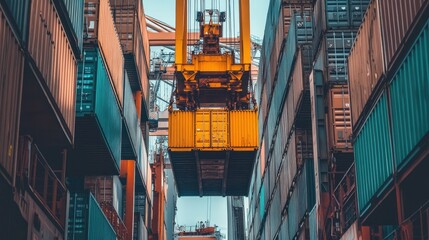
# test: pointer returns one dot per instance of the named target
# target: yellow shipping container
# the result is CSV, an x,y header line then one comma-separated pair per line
x,y
209,130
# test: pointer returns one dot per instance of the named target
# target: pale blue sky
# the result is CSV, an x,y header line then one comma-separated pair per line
x,y
193,209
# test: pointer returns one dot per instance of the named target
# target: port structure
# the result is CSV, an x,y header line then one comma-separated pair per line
x,y
213,128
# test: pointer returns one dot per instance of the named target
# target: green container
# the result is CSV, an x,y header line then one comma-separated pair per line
x,y
96,97
87,220
409,91
373,154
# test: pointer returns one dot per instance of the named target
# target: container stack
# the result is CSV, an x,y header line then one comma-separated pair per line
x,y
41,41
388,89
305,121
109,158
282,191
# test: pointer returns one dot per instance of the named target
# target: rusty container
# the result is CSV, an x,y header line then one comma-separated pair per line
x,y
339,115
131,27
398,18
51,53
365,61
11,72
100,29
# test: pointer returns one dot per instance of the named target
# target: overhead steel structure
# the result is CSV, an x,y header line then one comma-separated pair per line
x,y
213,127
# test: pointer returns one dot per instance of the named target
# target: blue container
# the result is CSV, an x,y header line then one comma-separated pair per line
x,y
338,45
87,220
19,10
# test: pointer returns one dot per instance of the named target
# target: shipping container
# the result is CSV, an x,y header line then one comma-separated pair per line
x,y
50,50
320,146
408,98
38,224
106,189
344,13
100,28
398,18
373,154
213,129
312,220
18,10
339,115
130,124
338,45
366,61
298,205
87,220
51,192
74,12
11,70
98,122
130,25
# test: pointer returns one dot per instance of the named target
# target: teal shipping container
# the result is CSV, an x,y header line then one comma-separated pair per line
x,y
409,90
87,220
98,120
74,12
373,154
18,10
130,145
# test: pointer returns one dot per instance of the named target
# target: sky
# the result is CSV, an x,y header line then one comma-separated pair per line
x,y
193,209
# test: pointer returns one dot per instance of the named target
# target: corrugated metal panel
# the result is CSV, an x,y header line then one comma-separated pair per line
x,y
51,52
320,148
95,95
357,11
243,132
365,61
297,205
75,14
344,13
291,167
337,13
338,45
297,80
130,116
275,215
304,27
100,27
284,230
397,17
351,233
181,129
319,17
373,154
409,102
11,72
19,11
98,226
205,129
111,47
340,126
86,219
312,220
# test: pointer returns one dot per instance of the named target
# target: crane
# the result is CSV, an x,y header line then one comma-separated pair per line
x,y
213,130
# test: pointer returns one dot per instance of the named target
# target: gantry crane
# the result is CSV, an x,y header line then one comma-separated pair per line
x,y
212,78
213,130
